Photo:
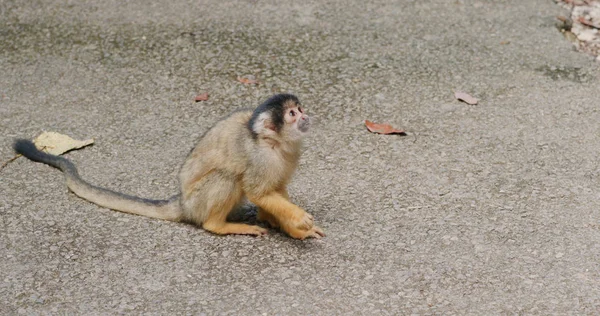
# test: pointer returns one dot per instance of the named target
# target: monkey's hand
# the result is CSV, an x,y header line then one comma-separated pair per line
x,y
292,219
301,226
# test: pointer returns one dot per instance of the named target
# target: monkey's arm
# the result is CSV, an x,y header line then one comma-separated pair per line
x,y
264,216
293,219
284,192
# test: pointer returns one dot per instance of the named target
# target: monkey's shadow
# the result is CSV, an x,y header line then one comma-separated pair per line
x,y
245,213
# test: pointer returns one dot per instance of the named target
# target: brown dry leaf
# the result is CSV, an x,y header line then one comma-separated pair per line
x,y
585,22
201,97
383,128
576,2
57,144
246,80
465,98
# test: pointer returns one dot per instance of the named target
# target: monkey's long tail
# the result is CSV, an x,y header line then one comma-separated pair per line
x,y
161,209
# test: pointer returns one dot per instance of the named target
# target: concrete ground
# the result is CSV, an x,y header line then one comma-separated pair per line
x,y
481,210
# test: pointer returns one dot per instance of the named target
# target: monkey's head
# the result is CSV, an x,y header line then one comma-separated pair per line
x,y
281,118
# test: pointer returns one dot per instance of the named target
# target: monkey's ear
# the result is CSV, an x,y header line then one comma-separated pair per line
x,y
269,124
264,123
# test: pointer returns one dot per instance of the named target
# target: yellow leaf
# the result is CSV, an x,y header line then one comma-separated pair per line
x,y
57,144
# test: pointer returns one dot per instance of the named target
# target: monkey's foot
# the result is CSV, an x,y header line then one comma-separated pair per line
x,y
234,229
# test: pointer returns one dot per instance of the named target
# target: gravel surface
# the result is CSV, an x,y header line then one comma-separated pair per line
x,y
481,209
582,26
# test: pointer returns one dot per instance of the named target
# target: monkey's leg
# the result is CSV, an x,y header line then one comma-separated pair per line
x,y
293,220
225,228
220,193
216,222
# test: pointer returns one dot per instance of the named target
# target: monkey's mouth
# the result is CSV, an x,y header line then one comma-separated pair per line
x,y
304,128
304,125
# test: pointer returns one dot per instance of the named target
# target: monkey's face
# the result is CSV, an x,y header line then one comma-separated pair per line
x,y
280,118
297,123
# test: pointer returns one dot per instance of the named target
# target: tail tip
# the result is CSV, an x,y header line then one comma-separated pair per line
x,y
22,146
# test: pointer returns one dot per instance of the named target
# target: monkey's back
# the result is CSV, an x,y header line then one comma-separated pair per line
x,y
222,148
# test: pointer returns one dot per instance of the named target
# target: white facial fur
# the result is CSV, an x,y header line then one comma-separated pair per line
x,y
261,125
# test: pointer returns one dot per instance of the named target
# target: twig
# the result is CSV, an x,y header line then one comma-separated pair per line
x,y
9,161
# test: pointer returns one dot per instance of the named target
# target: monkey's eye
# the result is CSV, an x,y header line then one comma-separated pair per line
x,y
292,113
300,110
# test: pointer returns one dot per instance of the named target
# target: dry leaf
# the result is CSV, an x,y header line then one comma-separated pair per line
x,y
585,22
465,98
57,144
201,97
246,80
383,128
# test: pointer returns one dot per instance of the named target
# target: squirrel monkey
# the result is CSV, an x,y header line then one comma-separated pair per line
x,y
248,155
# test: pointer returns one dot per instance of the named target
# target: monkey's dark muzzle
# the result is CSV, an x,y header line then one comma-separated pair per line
x,y
304,124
